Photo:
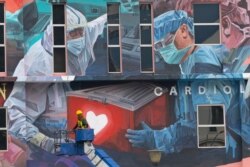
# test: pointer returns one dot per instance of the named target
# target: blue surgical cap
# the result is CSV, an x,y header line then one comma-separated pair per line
x,y
170,22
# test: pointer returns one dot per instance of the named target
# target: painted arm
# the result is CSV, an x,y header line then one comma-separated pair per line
x,y
96,27
27,101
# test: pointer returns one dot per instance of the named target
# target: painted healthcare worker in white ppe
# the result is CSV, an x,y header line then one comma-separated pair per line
x,y
31,105
81,37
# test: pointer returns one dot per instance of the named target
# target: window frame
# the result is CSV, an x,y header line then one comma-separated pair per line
x,y
208,24
6,128
65,41
114,46
4,73
211,125
151,25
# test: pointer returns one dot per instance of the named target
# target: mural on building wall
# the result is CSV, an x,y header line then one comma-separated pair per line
x,y
174,38
129,118
29,25
132,117
30,36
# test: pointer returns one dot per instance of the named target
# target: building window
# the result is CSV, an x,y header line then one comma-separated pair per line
x,y
207,23
2,41
146,43
114,42
211,126
3,130
59,38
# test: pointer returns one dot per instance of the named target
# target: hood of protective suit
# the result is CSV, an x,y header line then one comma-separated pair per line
x,y
48,38
75,19
81,56
80,50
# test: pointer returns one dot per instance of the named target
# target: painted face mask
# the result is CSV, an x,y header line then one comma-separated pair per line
x,y
76,46
171,54
77,60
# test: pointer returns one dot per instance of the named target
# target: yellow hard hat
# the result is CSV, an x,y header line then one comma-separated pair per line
x,y
78,112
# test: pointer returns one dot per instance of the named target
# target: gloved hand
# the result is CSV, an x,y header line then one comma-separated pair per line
x,y
43,142
169,139
175,137
142,138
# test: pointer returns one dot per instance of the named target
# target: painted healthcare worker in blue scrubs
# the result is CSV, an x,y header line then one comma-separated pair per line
x,y
174,30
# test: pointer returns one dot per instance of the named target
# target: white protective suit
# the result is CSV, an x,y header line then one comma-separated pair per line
x,y
29,101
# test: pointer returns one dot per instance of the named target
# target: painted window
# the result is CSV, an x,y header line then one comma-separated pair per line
x,y
59,39
3,130
2,41
211,126
146,43
114,42
206,23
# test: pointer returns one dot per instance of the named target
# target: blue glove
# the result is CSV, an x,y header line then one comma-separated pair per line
x,y
175,138
170,139
141,138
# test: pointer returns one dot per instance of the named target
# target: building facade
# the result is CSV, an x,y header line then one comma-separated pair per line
x,y
168,77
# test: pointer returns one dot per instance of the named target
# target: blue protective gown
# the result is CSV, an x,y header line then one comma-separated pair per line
x,y
183,133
